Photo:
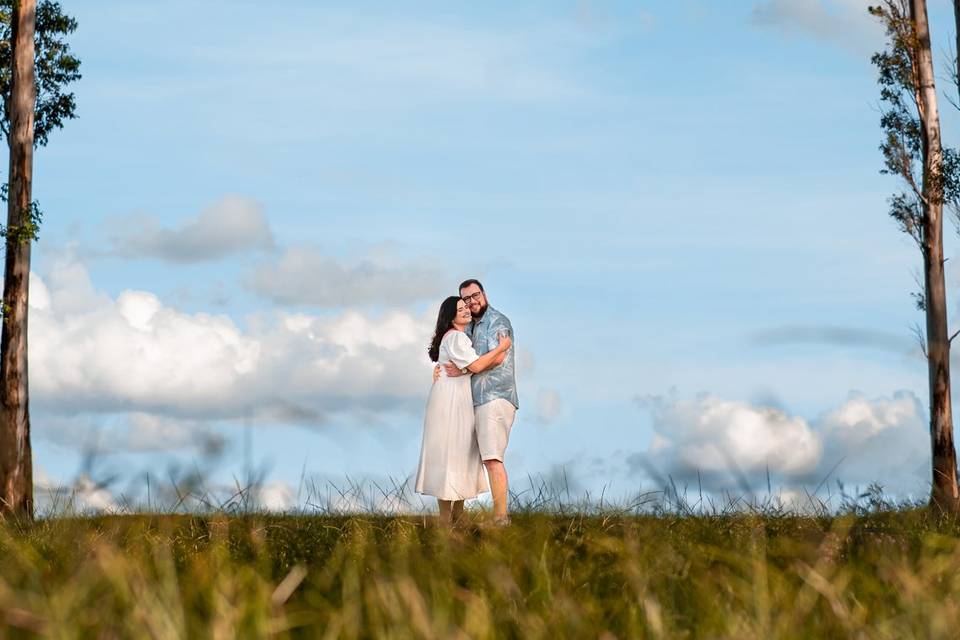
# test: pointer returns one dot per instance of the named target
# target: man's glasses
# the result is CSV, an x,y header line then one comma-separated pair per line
x,y
473,296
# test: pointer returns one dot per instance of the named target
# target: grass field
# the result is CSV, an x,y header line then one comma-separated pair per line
x,y
768,574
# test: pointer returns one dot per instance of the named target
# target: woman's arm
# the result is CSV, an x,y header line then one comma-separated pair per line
x,y
491,358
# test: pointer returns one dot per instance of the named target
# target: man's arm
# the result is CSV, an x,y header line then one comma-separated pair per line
x,y
501,328
491,358
493,342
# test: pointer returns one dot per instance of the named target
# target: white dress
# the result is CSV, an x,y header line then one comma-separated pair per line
x,y
450,464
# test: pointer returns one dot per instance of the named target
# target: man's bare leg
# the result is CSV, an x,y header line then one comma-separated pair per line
x,y
456,512
497,474
446,512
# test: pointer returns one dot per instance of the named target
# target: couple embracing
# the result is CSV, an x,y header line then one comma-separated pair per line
x,y
471,406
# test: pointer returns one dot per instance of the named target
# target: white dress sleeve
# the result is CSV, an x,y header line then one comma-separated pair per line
x,y
461,350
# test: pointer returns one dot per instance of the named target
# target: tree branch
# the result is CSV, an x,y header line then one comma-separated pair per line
x,y
921,339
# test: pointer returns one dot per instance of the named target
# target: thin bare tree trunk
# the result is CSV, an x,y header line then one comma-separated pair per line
x,y
16,465
944,491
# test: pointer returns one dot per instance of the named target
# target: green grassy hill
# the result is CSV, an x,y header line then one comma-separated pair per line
x,y
885,575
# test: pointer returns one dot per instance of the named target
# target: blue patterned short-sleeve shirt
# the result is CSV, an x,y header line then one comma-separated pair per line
x,y
500,381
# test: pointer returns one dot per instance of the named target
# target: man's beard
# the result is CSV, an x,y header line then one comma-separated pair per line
x,y
479,314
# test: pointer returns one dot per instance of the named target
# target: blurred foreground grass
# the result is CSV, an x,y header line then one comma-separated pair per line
x,y
890,574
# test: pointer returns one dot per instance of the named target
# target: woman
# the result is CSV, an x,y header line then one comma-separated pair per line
x,y
450,465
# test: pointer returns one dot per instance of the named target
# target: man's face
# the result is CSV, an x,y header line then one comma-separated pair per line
x,y
475,299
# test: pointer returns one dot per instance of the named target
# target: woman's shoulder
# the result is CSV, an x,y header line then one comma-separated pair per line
x,y
452,334
457,337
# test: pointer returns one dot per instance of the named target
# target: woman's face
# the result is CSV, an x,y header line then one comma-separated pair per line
x,y
463,312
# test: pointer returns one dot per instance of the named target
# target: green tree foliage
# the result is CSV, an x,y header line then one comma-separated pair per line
x,y
56,67
902,146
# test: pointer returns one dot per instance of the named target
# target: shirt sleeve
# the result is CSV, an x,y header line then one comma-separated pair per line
x,y
461,351
501,327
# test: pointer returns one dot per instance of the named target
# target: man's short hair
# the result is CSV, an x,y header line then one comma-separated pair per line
x,y
467,283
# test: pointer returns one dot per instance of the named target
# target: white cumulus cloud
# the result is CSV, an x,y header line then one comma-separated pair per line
x,y
883,440
133,353
862,441
276,496
714,435
81,495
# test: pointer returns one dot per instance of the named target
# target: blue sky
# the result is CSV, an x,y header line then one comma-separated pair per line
x,y
259,208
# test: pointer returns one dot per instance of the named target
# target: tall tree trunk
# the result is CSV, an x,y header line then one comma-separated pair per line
x,y
944,492
956,26
16,465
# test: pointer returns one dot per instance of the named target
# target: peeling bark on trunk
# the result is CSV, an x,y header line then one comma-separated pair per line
x,y
944,491
16,465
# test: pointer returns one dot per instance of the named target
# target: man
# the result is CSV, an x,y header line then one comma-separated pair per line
x,y
494,392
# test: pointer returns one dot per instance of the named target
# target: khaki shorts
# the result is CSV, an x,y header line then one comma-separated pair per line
x,y
493,422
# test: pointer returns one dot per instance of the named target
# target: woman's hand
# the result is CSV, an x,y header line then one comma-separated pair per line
x,y
505,342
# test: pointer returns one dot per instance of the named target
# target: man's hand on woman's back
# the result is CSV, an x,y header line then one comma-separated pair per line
x,y
452,370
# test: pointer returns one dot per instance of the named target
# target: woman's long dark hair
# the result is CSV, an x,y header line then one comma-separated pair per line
x,y
448,311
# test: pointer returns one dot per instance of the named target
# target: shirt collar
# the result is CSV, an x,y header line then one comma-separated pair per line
x,y
486,315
